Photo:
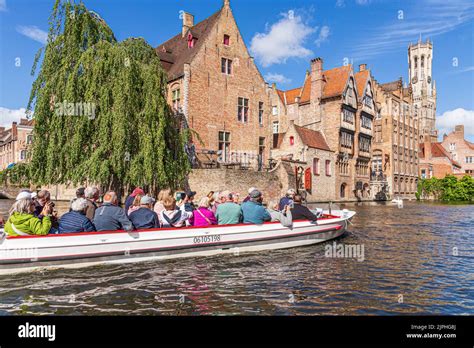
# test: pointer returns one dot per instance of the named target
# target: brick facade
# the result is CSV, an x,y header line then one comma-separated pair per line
x,y
460,149
221,91
395,153
15,142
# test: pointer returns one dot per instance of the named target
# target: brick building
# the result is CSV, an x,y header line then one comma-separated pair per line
x,y
215,83
435,161
312,160
395,149
460,149
14,143
340,105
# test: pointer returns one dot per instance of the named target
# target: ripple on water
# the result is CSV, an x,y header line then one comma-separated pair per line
x,y
409,267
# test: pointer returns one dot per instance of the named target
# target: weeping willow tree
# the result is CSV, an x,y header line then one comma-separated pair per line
x,y
100,109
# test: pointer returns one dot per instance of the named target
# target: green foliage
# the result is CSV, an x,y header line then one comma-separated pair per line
x,y
448,189
129,136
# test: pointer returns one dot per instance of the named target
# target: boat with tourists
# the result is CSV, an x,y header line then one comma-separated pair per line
x,y
26,253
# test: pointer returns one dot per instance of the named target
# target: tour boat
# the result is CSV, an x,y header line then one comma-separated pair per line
x,y
28,253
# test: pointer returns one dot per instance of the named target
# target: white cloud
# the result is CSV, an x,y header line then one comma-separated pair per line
x,y
33,32
362,2
323,35
442,17
340,3
278,78
285,39
7,116
447,121
3,5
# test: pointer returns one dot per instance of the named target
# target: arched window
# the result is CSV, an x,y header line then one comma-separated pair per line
x,y
342,193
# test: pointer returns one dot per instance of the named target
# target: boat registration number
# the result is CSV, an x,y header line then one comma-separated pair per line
x,y
207,239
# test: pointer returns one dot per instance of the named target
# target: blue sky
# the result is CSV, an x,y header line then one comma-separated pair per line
x,y
283,35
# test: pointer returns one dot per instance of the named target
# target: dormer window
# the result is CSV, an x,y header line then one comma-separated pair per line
x,y
227,40
191,40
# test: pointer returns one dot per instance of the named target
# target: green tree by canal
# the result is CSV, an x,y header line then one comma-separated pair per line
x,y
448,189
100,109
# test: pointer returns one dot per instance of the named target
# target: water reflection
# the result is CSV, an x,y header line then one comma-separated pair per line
x,y
410,266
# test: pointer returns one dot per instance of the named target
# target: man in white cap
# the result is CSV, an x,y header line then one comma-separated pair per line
x,y
144,217
246,199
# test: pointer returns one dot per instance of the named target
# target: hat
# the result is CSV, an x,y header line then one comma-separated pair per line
x,y
146,200
137,191
190,193
34,195
252,189
291,192
255,194
23,195
80,191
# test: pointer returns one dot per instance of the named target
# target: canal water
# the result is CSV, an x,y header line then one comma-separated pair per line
x,y
415,260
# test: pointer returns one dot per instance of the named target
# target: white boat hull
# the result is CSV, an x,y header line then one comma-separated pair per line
x,y
28,253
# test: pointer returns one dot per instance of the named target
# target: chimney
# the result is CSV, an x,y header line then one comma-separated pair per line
x,y
459,129
317,81
188,22
427,145
444,136
226,3
362,67
14,131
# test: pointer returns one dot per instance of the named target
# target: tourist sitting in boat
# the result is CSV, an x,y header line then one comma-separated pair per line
x,y
79,194
135,204
76,220
43,199
203,216
92,195
246,199
131,198
217,200
144,217
287,200
253,212
172,217
159,207
284,216
188,205
228,212
23,222
300,212
110,217
236,197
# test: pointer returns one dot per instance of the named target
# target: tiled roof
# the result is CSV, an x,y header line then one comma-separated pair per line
x,y
391,86
174,53
336,80
312,138
290,96
437,150
361,78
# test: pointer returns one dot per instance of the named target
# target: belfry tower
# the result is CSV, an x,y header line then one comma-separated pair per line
x,y
420,58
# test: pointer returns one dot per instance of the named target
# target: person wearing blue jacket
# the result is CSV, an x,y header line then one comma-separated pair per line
x,y
110,217
253,211
76,220
144,217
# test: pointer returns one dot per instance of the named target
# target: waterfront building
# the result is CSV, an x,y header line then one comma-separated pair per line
x,y
313,160
215,84
340,106
15,142
460,150
420,59
435,161
394,169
